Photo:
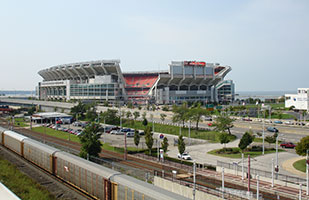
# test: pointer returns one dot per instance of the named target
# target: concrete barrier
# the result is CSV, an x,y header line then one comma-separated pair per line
x,y
182,190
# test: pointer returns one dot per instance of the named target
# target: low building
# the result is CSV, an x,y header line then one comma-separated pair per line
x,y
299,100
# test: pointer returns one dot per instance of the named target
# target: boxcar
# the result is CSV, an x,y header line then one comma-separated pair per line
x,y
132,188
39,153
13,141
88,176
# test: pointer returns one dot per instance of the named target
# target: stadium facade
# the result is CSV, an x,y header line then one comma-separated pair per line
x,y
103,80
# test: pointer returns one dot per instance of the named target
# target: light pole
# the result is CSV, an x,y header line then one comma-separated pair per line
x,y
264,134
272,172
257,187
307,175
189,132
222,182
242,166
194,174
277,165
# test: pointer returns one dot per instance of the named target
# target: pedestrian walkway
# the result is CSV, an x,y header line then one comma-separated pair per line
x,y
288,166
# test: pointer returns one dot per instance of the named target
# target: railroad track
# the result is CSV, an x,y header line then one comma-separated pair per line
x,y
55,185
132,161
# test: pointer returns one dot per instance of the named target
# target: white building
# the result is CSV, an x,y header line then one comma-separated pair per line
x,y
299,100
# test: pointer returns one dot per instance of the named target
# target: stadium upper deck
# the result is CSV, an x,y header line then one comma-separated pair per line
x,y
103,80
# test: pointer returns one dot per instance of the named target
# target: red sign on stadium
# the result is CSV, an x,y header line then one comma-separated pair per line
x,y
194,63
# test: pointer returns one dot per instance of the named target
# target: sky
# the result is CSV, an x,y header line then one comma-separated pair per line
x,y
266,42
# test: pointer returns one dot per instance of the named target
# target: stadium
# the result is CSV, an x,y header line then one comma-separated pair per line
x,y
103,80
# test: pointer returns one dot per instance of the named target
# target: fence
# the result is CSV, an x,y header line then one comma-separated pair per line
x,y
263,173
228,193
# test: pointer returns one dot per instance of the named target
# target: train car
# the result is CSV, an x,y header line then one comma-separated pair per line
x,y
128,187
90,177
1,133
40,154
14,141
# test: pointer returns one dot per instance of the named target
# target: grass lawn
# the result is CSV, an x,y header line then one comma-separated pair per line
x,y
65,135
300,165
237,153
20,122
212,136
260,140
58,134
20,184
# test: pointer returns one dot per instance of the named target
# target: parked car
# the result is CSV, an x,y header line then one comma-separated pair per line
x,y
120,132
113,132
125,130
246,119
210,124
272,129
287,145
130,134
59,122
76,123
278,122
288,122
268,121
141,133
184,156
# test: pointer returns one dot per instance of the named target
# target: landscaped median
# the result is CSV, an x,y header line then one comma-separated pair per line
x,y
210,135
235,152
300,165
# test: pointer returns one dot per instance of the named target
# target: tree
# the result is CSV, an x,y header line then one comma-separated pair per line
x,y
145,122
136,115
196,113
223,123
129,104
165,144
136,137
91,113
153,107
31,110
144,115
128,115
78,110
270,139
302,146
111,117
149,138
90,141
162,117
245,141
105,104
181,145
180,113
224,139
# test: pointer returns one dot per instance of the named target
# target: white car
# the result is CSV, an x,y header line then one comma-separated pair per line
x,y
184,156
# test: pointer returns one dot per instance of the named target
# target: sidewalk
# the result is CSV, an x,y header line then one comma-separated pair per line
x,y
288,166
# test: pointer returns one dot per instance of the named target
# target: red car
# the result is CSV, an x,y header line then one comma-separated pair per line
x,y
287,145
209,124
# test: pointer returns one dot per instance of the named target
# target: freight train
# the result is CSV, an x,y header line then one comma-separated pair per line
x,y
98,181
